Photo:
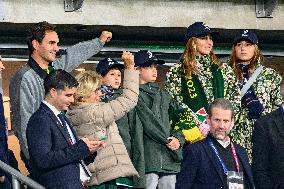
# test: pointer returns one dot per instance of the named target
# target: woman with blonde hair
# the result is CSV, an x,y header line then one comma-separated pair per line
x,y
92,118
198,79
260,86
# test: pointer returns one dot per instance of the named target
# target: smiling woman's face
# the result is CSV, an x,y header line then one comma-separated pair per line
x,y
204,45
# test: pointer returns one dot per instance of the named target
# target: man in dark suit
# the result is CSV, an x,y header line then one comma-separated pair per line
x,y
268,149
208,164
56,153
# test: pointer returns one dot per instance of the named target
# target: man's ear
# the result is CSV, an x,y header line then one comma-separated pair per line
x,y
35,44
52,92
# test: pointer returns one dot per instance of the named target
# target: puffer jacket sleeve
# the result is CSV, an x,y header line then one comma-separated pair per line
x,y
109,112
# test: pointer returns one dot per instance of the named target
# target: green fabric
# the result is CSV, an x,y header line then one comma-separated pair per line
x,y
153,112
49,69
195,98
138,160
192,119
193,93
218,81
150,128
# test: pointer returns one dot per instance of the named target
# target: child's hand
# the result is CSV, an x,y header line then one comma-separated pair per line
x,y
173,144
128,59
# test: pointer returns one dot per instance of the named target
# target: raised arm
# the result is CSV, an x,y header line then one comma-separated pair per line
x,y
75,55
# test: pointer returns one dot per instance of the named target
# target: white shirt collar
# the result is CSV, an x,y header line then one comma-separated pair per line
x,y
53,109
226,143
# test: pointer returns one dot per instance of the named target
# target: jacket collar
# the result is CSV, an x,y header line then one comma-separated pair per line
x,y
58,124
150,88
215,162
34,65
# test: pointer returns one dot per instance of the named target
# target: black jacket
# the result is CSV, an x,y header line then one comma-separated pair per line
x,y
268,151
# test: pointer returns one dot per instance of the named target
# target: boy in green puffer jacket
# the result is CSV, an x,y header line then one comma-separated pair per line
x,y
156,146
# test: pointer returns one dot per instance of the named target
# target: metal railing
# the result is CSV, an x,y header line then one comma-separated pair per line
x,y
18,177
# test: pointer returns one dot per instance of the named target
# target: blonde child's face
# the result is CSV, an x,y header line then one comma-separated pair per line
x,y
113,78
148,74
95,96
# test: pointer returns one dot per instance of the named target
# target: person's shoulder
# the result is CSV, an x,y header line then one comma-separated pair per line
x,y
175,69
23,72
270,116
228,72
270,73
196,145
39,115
226,67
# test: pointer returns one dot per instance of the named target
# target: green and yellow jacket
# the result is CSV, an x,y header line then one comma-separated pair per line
x,y
180,87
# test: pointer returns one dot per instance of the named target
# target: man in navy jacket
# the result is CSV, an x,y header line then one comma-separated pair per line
x,y
56,154
206,163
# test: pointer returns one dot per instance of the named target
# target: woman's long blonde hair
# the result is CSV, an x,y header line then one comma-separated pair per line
x,y
89,81
234,61
188,58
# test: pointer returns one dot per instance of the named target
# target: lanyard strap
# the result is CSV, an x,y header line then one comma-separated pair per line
x,y
235,157
220,159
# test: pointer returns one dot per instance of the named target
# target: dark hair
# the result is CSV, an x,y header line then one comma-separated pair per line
x,y
59,80
221,103
37,32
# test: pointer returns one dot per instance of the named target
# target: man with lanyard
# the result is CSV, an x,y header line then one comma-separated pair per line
x,y
216,162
